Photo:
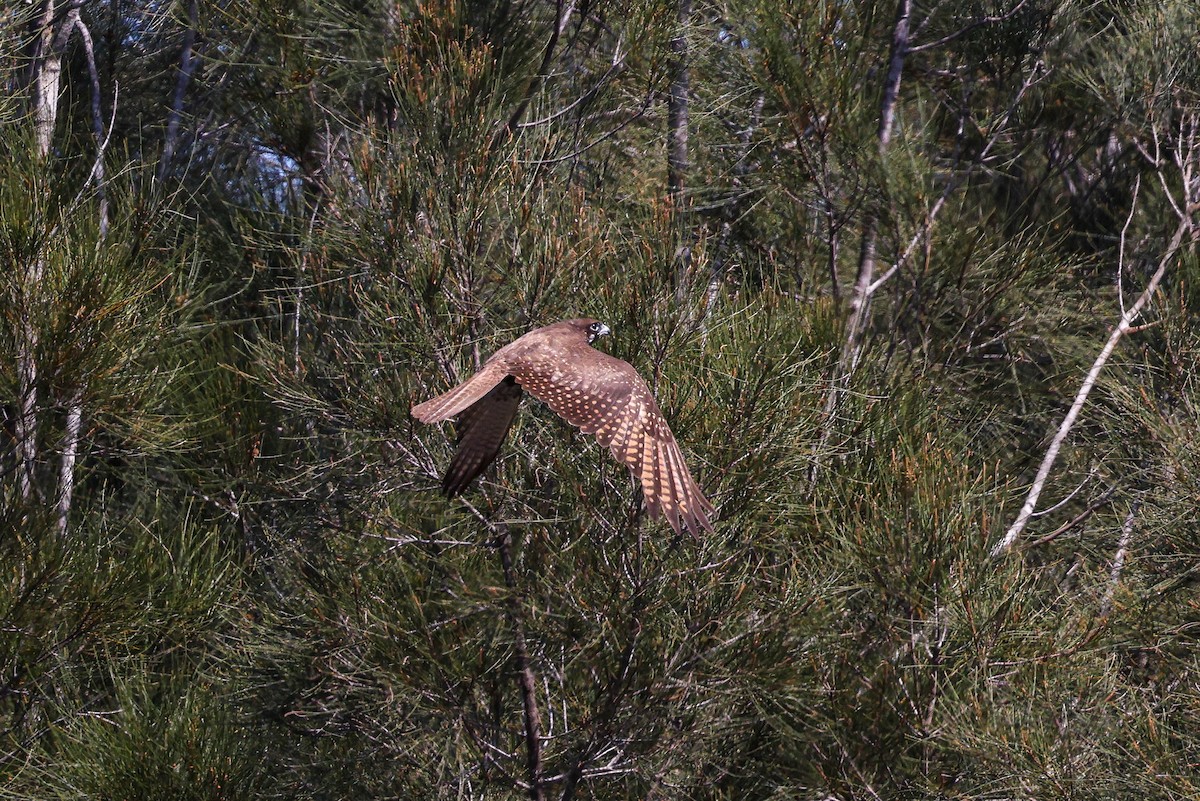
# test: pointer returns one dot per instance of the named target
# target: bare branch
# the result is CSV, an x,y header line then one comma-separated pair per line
x,y
562,16
1091,474
860,300
1126,322
577,152
948,38
1118,561
1137,185
1079,518
617,67
97,175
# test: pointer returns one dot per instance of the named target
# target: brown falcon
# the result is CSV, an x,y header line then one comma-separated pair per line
x,y
597,393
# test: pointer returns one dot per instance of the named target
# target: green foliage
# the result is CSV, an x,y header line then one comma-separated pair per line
x,y
229,574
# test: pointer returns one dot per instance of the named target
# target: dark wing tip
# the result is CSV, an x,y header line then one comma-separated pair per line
x,y
465,467
457,479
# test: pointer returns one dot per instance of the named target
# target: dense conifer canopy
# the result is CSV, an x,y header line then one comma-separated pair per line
x,y
913,282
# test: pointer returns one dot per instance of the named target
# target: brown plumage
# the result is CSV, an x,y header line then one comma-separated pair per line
x,y
597,393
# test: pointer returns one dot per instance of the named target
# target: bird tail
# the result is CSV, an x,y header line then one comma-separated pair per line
x,y
451,403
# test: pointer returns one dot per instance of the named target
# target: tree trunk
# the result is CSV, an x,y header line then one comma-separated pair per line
x,y
49,41
187,67
677,148
860,299
677,109
66,475
526,681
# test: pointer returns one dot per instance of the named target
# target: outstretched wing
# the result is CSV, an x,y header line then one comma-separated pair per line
x,y
454,402
605,396
482,427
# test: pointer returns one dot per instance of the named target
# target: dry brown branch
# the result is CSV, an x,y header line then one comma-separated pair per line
x,y
525,678
1084,515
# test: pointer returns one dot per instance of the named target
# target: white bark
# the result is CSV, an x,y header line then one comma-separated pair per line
x,y
27,373
1128,317
46,75
1114,576
70,451
97,122
55,26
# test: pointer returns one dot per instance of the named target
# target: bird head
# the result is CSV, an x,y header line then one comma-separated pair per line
x,y
595,330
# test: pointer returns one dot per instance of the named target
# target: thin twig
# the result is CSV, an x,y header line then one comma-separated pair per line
x,y
1070,524
97,123
1091,474
562,15
1137,185
950,37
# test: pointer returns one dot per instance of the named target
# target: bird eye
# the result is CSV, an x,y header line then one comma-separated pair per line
x,y
594,327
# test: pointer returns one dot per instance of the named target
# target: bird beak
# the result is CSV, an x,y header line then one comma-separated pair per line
x,y
603,332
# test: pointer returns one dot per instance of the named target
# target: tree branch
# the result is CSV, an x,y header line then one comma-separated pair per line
x,y
860,300
525,678
948,38
1118,561
187,68
1079,518
97,122
562,15
1126,322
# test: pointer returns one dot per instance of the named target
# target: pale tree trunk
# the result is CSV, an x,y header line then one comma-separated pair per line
x,y
26,422
74,403
97,123
860,298
70,452
55,24
677,145
1114,574
866,283
677,108
50,36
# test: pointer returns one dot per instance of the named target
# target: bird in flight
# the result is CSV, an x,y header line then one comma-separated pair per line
x,y
593,391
